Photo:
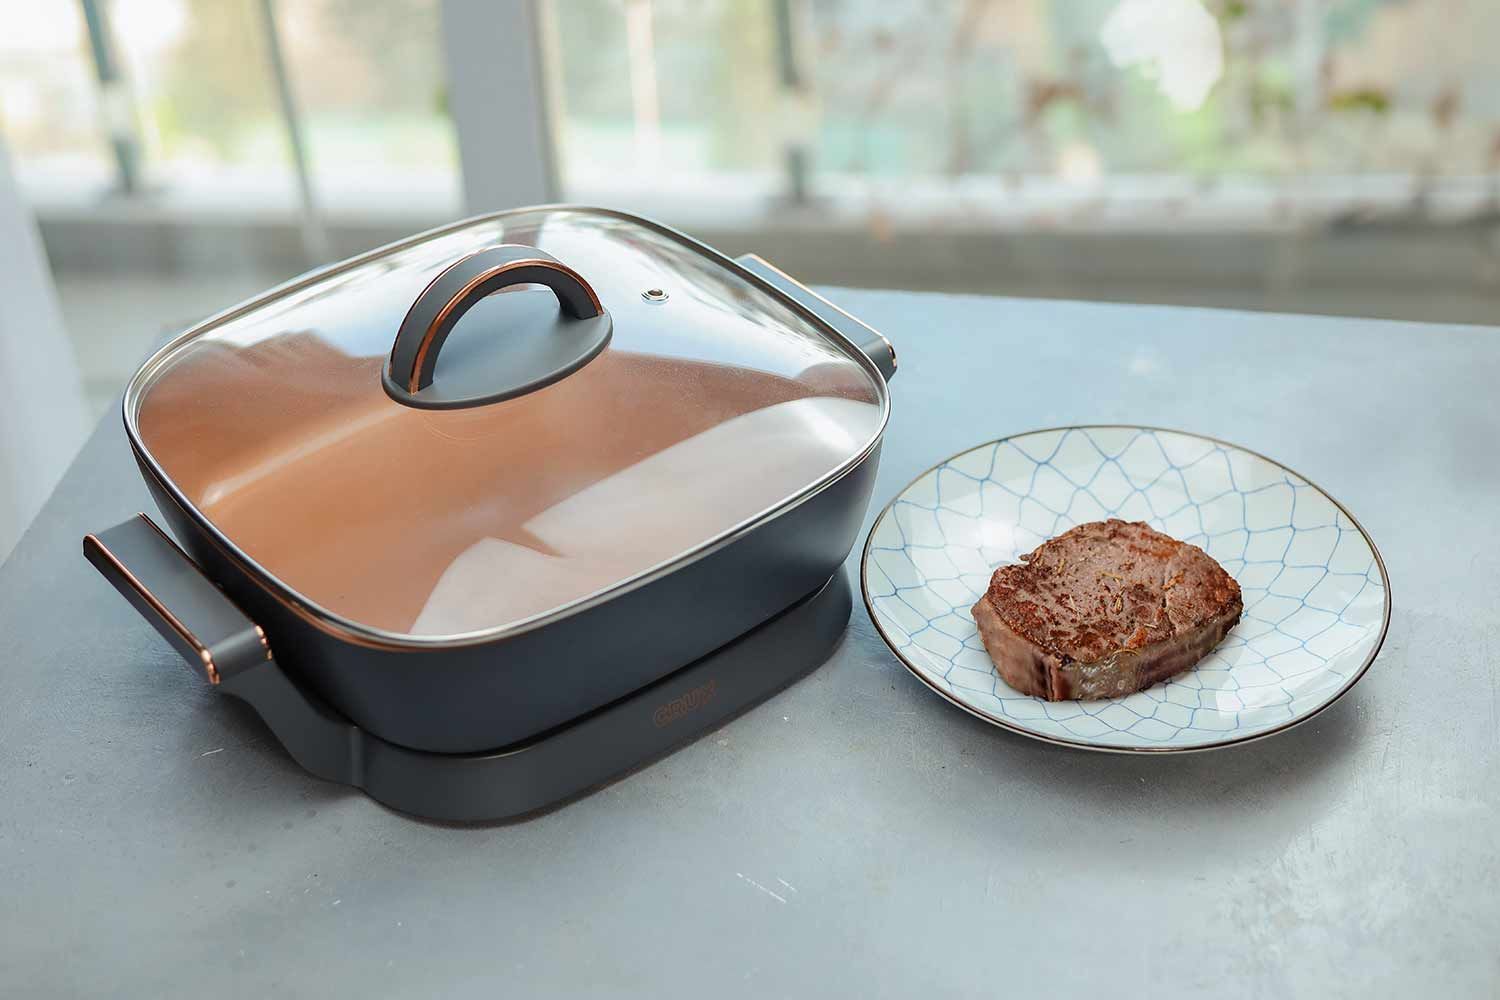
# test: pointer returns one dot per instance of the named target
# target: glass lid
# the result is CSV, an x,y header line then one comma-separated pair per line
x,y
499,420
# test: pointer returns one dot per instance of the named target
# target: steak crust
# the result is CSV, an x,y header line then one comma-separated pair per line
x,y
1103,610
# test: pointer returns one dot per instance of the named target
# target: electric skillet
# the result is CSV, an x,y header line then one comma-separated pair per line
x,y
481,519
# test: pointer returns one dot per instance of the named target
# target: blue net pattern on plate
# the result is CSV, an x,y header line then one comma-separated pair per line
x,y
1314,595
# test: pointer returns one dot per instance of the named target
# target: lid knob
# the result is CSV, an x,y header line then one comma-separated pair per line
x,y
535,349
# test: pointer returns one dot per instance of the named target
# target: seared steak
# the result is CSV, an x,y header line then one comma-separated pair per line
x,y
1105,609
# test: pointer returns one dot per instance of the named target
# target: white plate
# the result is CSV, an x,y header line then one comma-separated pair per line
x,y
1317,599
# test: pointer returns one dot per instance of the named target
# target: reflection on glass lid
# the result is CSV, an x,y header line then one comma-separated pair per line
x,y
709,406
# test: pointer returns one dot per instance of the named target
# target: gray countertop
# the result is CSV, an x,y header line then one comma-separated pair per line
x,y
855,835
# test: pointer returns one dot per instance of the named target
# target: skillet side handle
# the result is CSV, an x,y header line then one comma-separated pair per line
x,y
170,592
865,338
216,638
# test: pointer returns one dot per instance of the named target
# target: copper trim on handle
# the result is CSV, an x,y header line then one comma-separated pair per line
x,y
233,652
413,381
92,542
260,633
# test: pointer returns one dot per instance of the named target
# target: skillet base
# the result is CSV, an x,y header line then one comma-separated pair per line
x,y
572,759
219,642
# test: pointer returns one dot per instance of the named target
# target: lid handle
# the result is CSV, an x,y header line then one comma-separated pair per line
x,y
459,287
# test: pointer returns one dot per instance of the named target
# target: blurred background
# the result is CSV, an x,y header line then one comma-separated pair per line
x,y
1332,156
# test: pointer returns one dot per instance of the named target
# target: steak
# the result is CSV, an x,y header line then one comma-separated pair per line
x,y
1105,609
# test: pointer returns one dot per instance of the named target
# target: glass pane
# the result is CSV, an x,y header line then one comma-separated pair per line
x,y
205,101
369,80
48,106
1139,87
671,88
1031,87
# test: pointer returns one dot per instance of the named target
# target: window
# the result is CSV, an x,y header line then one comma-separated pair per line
x,y
49,109
1049,114
1030,113
198,100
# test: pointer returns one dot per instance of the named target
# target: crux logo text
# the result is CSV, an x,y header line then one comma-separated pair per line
x,y
678,707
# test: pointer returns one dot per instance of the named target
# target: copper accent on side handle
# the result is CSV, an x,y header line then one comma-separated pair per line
x,y
171,592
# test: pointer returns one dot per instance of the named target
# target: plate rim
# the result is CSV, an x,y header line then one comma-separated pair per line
x,y
1079,744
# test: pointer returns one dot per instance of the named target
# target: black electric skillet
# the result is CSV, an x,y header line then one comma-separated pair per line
x,y
481,519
